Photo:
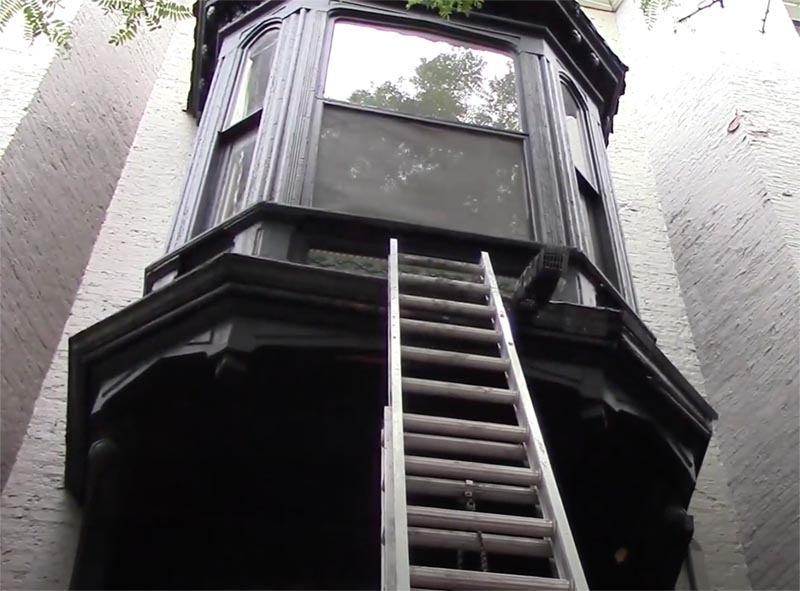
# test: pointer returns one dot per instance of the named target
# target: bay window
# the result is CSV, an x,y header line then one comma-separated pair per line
x,y
364,108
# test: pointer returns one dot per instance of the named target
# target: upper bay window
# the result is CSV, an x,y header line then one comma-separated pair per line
x,y
424,129
475,125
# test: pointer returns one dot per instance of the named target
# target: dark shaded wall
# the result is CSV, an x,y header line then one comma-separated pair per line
x,y
57,177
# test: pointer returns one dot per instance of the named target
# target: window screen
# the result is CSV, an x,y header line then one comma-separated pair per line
x,y
411,171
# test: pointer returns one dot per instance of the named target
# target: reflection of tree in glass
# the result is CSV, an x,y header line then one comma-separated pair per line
x,y
426,173
451,86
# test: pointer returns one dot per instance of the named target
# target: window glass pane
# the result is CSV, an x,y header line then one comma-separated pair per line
x,y
577,135
233,181
253,77
393,168
595,224
422,75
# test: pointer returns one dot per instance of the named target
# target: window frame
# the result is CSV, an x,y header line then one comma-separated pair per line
x,y
503,43
227,135
590,192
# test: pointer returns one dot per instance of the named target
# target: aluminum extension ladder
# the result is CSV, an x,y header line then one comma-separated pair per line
x,y
460,495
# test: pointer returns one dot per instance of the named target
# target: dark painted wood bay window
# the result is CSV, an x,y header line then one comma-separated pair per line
x,y
365,108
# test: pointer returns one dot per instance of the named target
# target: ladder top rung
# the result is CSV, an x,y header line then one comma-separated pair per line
x,y
439,263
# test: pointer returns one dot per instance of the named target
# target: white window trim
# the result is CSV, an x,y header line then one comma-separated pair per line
x,y
604,5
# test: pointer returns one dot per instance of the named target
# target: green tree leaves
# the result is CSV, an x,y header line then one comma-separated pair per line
x,y
39,20
446,8
136,15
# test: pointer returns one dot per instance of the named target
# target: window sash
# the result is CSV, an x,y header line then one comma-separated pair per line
x,y
593,207
236,110
528,210
450,37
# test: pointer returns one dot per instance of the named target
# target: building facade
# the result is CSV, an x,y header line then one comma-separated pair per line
x,y
658,141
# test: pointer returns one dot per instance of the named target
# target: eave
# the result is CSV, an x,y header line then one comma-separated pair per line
x,y
236,286
562,22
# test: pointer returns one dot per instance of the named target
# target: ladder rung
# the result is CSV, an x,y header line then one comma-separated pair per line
x,y
453,286
437,263
447,306
500,493
454,358
455,331
467,540
494,450
461,391
470,580
460,469
493,523
463,427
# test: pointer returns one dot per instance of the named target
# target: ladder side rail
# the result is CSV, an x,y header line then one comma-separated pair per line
x,y
564,550
388,553
399,559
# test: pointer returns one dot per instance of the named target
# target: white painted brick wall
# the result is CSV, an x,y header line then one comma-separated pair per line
x,y
39,521
22,67
66,127
730,203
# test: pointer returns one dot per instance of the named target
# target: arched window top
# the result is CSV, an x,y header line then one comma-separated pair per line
x,y
578,138
253,77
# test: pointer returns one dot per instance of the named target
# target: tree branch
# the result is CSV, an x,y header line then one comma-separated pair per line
x,y
702,7
764,20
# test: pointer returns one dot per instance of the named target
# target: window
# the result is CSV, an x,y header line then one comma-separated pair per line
x,y
590,201
422,129
237,137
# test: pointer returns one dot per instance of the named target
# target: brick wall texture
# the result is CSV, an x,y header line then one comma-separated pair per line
x,y
60,158
39,521
715,105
